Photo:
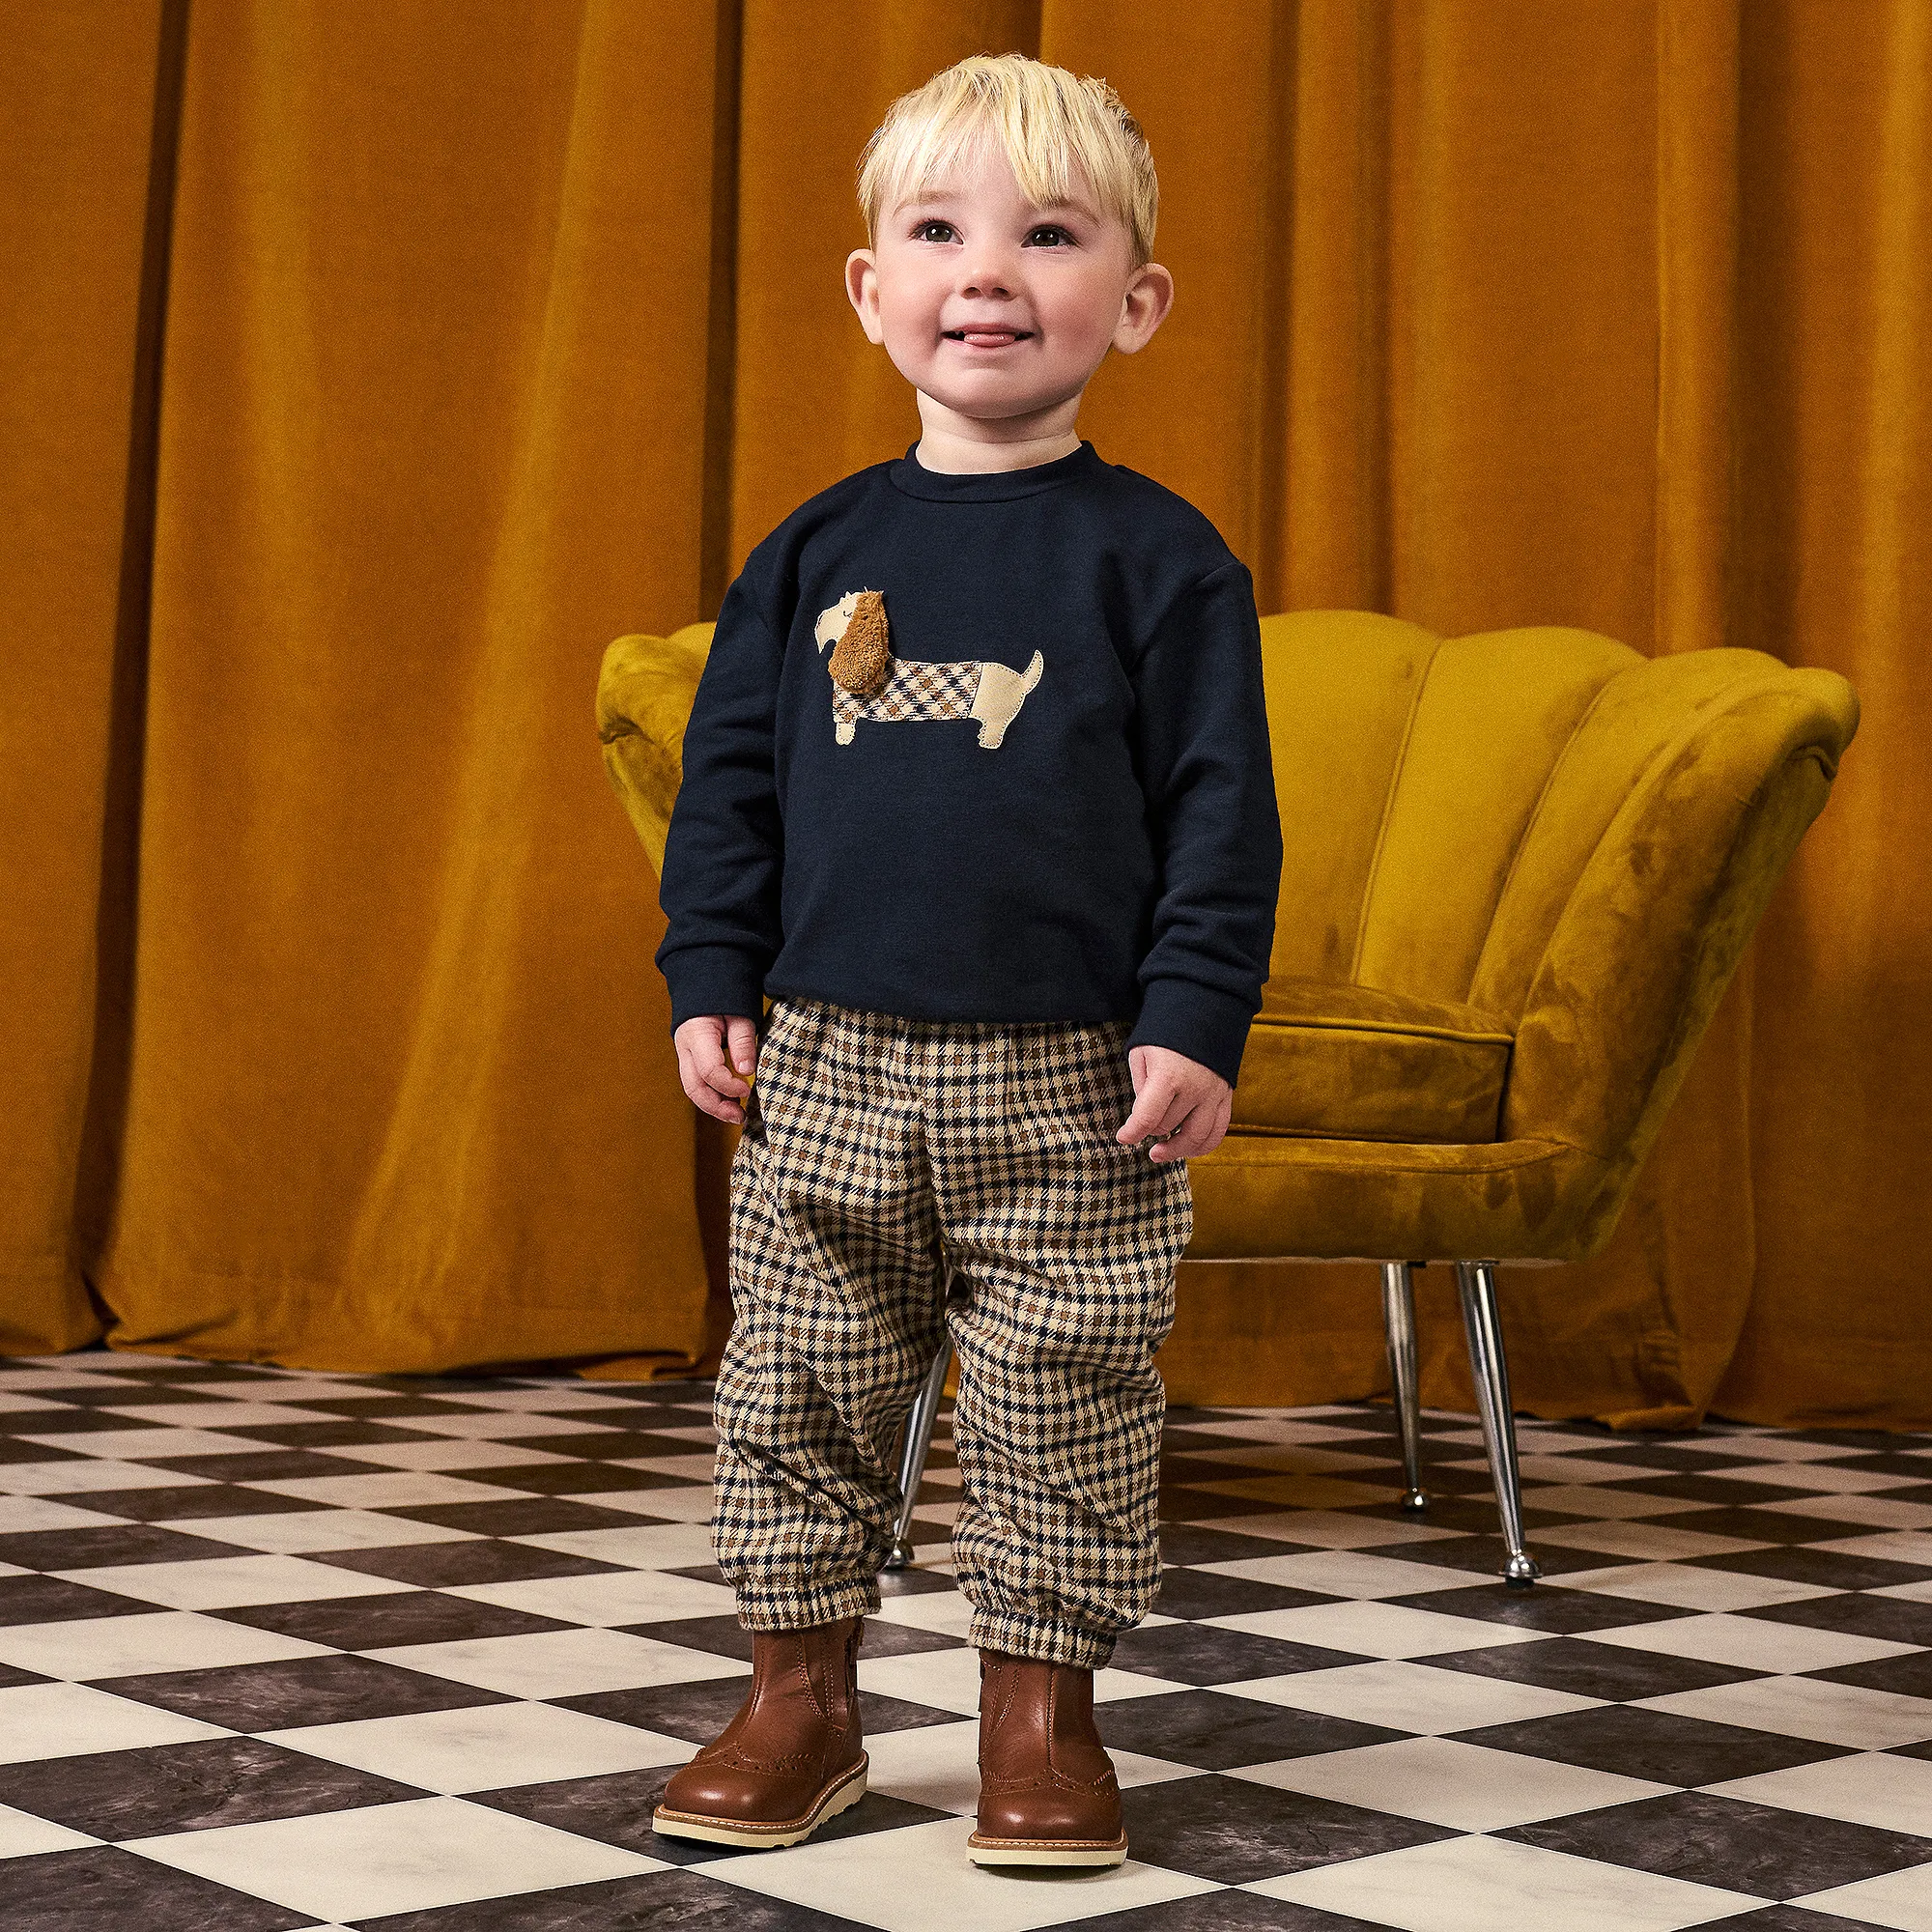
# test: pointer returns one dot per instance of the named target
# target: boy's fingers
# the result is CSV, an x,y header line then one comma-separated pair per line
x,y
742,1045
1159,1108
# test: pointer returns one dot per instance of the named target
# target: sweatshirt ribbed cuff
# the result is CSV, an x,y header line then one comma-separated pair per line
x,y
708,980
1200,1021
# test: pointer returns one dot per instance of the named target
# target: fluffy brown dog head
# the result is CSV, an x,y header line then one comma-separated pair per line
x,y
862,660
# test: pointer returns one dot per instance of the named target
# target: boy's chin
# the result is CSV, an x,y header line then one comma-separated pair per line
x,y
985,403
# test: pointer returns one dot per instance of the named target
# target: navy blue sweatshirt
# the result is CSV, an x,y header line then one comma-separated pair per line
x,y
1027,779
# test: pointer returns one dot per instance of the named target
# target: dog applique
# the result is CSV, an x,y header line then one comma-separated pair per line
x,y
869,682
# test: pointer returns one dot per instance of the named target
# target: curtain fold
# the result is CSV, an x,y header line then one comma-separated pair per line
x,y
371,365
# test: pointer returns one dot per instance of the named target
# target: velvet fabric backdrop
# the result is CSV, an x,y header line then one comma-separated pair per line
x,y
372,362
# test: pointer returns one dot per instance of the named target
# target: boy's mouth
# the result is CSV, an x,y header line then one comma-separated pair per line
x,y
989,338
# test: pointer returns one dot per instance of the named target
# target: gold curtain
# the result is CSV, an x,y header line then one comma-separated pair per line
x,y
370,363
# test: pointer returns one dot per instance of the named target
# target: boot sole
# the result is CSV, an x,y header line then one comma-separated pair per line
x,y
1046,1850
837,1797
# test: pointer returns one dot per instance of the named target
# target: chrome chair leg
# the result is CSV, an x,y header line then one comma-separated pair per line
x,y
1476,1284
920,1419
1399,1323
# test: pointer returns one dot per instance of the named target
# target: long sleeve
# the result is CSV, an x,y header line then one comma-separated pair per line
x,y
1207,774
724,849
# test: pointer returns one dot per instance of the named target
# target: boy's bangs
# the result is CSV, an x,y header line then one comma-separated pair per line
x,y
1054,145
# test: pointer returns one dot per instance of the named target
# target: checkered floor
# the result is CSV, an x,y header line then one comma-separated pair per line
x,y
280,1648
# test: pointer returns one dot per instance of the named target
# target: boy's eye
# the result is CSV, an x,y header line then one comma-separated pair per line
x,y
1048,234
933,230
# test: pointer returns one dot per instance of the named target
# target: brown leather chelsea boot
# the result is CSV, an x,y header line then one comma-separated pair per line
x,y
791,1758
1047,1791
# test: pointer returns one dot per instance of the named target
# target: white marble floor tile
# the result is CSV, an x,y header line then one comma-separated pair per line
x,y
19,1513
1406,1696
1652,1542
1481,1884
387,1488
485,1747
695,1468
22,1835
1751,1643
939,1765
1825,1478
1251,1428
1338,1572
1874,1788
79,1474
613,1597
546,1399
1327,1529
81,1649
562,1664
1581,1468
654,1545
1687,1587
1443,1781
1601,1501
1762,1445
1374,1629
944,1612
445,1452
485,1424
303,1532
1900,1899
1880,1511
1807,1707
127,1444
680,1502
228,1582
224,1416
948,1680
50,1720
920,1878
1920,1592
382,1859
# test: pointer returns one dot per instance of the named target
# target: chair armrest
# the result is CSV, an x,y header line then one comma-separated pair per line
x,y
1660,918
644,694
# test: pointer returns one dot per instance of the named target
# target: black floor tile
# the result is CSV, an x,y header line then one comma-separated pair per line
x,y
1781,1527
1908,1675
726,1636
698,1712
339,1433
379,1622
47,1600
1218,1732
688,1900
263,1465
1613,1672
1202,1654
302,1690
195,1502
1791,1919
1225,1912
1208,1592
1483,1556
1231,1830
1893,1619
10,1678
576,1479
136,1794
1828,1569
111,1544
517,1516
1655,1745
1182,1544
12,1450
1542,1609
1704,1839
104,1889
443,1566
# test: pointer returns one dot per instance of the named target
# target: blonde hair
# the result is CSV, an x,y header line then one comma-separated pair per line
x,y
1052,124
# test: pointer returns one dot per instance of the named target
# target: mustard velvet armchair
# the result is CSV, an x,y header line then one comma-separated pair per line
x,y
1521,868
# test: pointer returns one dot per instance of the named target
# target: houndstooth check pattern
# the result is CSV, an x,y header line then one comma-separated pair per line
x,y
871,1140
914,689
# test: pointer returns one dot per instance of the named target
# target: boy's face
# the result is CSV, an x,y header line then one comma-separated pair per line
x,y
994,307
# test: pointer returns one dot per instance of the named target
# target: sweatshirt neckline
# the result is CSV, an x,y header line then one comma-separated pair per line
x,y
996,486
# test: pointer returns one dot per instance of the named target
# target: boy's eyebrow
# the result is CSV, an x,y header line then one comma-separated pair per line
x,y
940,197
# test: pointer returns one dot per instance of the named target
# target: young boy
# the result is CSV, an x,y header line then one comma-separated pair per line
x,y
976,787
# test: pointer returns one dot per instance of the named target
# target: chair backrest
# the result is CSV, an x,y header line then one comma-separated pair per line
x,y
1441,796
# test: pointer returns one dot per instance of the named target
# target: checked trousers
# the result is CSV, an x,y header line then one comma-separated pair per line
x,y
869,1141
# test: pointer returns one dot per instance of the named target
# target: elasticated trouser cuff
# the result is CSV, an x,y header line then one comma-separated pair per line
x,y
1037,1639
807,1607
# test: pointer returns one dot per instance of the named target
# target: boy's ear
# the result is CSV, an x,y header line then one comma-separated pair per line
x,y
1148,297
862,284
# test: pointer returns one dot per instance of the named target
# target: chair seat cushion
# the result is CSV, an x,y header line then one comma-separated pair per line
x,y
1350,1062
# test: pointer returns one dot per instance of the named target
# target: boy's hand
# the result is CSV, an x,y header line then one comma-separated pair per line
x,y
707,1074
1186,1104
